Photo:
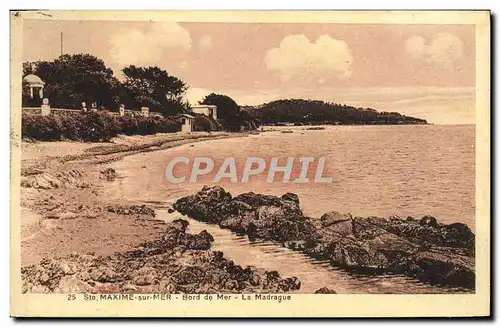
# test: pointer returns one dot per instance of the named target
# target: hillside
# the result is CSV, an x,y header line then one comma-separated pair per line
x,y
318,112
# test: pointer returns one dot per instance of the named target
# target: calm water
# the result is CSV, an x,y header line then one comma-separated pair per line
x,y
377,170
313,274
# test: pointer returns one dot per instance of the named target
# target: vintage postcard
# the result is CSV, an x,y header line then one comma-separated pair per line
x,y
250,164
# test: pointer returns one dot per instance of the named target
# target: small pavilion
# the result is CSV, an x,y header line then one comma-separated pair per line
x,y
35,83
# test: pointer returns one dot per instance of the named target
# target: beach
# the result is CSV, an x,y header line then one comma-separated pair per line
x,y
63,206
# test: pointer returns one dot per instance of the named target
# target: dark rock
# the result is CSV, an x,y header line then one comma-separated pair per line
x,y
205,205
291,197
255,280
236,207
144,276
415,232
370,244
324,290
458,235
272,275
257,200
179,224
103,274
348,253
319,250
339,228
170,210
293,283
296,245
233,223
293,228
334,217
286,285
444,266
231,284
201,241
132,210
428,221
189,275
368,228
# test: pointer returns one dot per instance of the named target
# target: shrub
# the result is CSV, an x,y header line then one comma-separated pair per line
x,y
71,126
98,126
202,124
148,125
128,125
44,128
92,126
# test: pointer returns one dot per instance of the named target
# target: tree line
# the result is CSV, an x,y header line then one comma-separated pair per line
x,y
314,112
73,79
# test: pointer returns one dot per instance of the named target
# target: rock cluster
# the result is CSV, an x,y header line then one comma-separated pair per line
x,y
45,180
108,174
178,262
131,210
425,249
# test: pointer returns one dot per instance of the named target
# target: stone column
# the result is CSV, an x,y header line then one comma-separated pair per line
x,y
40,92
84,106
31,92
145,111
45,107
122,110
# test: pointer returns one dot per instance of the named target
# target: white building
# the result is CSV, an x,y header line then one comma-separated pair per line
x,y
187,122
205,109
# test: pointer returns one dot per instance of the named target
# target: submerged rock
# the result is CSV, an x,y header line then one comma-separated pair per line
x,y
201,205
425,249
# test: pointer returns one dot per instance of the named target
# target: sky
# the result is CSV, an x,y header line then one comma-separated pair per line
x,y
426,71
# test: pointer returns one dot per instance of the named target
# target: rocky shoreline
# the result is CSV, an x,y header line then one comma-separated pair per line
x,y
177,262
421,248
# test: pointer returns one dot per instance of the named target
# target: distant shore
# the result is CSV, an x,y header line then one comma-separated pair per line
x,y
306,124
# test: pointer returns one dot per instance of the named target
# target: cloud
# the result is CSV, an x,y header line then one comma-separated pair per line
x,y
297,56
443,48
136,47
205,42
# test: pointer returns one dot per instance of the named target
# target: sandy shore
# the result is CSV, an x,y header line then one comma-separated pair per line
x,y
63,207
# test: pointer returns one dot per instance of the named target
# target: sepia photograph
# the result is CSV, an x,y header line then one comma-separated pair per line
x,y
212,159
